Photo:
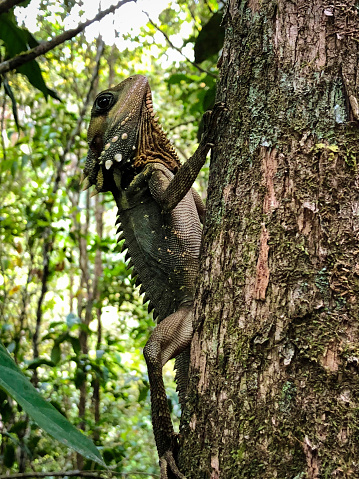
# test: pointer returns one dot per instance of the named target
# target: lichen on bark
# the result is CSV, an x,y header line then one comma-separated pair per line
x,y
274,385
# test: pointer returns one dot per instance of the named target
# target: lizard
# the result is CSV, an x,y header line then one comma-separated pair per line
x,y
159,217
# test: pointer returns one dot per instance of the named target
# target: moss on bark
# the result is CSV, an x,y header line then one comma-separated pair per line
x,y
274,386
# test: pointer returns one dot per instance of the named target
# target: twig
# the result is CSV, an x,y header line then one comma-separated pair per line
x,y
49,45
5,5
2,126
180,124
208,5
193,17
176,48
94,474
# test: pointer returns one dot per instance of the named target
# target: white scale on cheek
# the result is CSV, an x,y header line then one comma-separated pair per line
x,y
118,156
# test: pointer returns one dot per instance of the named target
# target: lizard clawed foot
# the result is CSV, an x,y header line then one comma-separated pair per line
x,y
168,463
210,121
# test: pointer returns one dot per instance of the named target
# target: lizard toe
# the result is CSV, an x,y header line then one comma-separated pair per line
x,y
168,467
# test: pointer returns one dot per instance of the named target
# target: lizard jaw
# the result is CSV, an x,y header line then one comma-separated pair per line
x,y
113,131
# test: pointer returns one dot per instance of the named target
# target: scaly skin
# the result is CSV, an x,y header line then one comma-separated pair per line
x,y
159,215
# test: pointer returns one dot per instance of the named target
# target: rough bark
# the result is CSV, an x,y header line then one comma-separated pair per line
x,y
274,385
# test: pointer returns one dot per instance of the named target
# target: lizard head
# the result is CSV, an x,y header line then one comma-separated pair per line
x,y
124,135
113,132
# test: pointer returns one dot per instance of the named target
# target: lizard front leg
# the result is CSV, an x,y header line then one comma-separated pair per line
x,y
169,193
187,174
172,336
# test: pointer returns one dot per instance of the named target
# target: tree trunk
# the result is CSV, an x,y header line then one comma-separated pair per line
x,y
274,384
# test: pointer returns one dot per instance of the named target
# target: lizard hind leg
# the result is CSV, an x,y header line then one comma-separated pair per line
x,y
170,338
182,369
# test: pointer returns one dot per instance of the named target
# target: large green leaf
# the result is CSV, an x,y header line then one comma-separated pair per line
x,y
19,40
14,383
14,37
10,94
210,38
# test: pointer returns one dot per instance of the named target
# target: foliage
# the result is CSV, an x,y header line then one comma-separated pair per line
x,y
210,38
13,382
69,312
15,41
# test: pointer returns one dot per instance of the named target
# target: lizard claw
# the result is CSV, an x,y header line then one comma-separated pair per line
x,y
210,122
167,462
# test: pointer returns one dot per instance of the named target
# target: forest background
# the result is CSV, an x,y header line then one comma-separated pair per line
x,y
69,313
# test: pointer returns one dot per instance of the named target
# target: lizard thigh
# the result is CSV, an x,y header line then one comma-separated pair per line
x,y
170,337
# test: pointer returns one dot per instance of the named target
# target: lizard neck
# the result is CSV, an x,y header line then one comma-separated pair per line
x,y
154,146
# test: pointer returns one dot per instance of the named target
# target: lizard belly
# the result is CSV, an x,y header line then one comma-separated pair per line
x,y
164,248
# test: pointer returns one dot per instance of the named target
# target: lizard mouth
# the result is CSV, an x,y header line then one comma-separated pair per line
x,y
114,131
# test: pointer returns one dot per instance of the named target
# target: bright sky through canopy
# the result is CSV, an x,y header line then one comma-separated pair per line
x,y
127,19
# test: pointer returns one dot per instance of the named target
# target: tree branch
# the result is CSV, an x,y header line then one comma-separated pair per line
x,y
180,124
5,5
49,45
176,48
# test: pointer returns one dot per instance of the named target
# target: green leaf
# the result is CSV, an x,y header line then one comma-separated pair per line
x,y
80,378
9,455
143,392
19,40
177,78
33,72
14,167
43,413
75,345
209,98
10,94
13,37
210,38
31,40
56,354
19,428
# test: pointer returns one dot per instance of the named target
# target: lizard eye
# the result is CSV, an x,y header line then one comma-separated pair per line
x,y
104,101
